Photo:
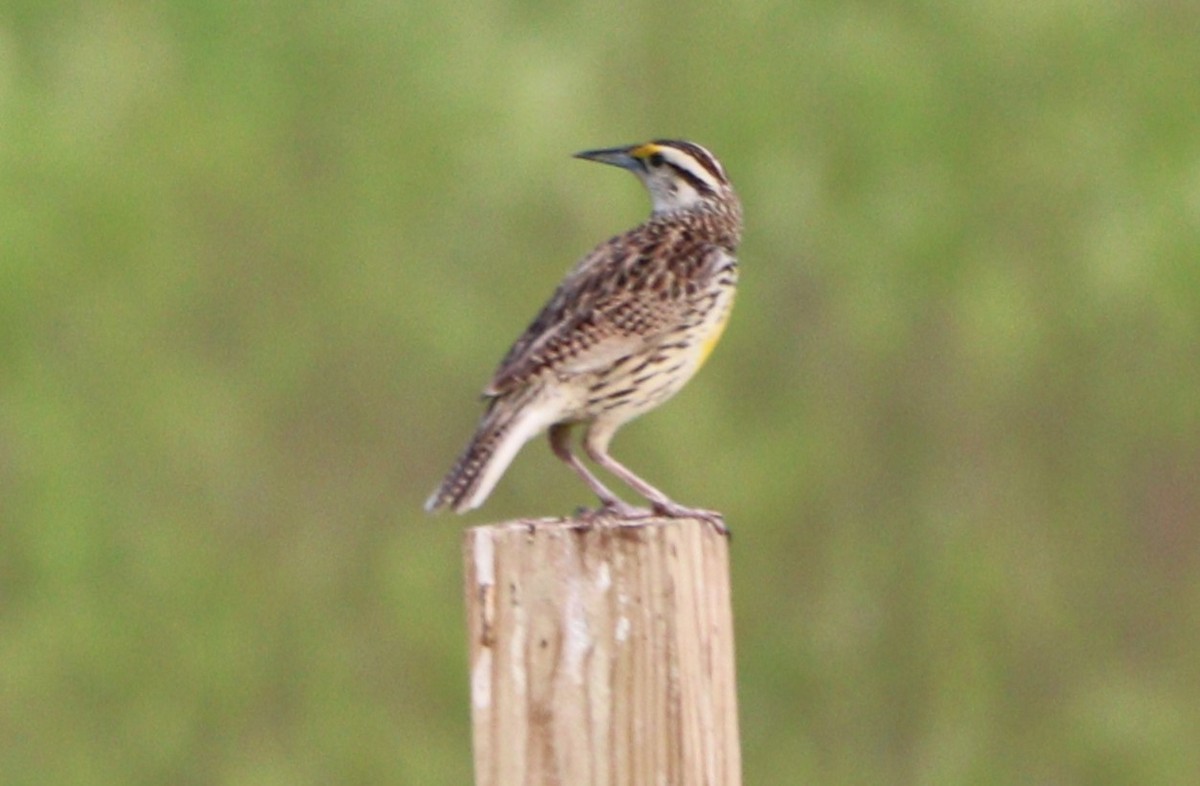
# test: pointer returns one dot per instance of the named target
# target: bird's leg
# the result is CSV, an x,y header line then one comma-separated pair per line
x,y
595,444
560,434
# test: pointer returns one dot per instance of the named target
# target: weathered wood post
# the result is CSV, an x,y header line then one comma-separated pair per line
x,y
601,654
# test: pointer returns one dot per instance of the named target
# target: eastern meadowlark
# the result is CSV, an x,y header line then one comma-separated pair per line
x,y
624,331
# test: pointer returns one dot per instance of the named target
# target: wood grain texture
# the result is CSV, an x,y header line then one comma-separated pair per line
x,y
601,654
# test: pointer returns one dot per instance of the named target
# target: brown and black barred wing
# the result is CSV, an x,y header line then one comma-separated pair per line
x,y
617,302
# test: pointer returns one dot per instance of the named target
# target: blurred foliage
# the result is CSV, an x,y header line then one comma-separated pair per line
x,y
257,259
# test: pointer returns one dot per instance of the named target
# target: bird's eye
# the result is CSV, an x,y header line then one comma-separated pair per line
x,y
656,160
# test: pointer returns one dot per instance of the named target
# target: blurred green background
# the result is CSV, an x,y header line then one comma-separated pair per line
x,y
258,259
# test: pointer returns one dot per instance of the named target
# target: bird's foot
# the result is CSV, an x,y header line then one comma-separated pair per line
x,y
676,511
612,509
623,510
619,509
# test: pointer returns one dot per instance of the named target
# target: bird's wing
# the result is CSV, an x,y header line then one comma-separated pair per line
x,y
618,301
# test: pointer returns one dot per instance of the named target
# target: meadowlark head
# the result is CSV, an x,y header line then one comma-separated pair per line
x,y
679,175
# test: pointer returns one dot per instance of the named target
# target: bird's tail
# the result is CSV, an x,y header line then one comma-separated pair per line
x,y
510,421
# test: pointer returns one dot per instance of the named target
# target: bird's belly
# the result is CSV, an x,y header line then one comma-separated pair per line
x,y
639,383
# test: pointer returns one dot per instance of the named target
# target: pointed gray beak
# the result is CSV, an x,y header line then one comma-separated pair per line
x,y
617,156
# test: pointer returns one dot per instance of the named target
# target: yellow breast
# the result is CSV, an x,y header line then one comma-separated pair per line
x,y
709,342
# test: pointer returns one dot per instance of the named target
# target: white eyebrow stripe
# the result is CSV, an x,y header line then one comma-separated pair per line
x,y
688,163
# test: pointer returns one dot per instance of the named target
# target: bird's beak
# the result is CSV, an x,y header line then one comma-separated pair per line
x,y
617,156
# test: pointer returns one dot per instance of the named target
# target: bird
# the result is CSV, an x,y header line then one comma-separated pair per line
x,y
625,330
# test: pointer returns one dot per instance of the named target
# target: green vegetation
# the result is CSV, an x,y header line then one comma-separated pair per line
x,y
257,259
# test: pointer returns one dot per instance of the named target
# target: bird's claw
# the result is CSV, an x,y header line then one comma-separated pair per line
x,y
622,510
676,511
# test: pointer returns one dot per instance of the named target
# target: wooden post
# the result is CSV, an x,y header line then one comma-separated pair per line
x,y
601,654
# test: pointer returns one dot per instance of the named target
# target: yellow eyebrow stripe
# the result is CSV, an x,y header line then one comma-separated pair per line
x,y
646,150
